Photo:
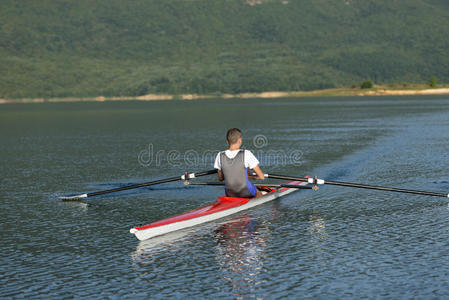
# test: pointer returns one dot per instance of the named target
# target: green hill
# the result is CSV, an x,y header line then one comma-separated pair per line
x,y
114,48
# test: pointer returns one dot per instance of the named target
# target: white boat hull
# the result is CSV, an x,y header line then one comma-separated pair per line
x,y
144,234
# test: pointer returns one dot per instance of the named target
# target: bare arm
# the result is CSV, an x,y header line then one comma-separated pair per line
x,y
220,175
259,173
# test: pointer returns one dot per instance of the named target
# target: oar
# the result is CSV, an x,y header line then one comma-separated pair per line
x,y
290,186
186,176
356,185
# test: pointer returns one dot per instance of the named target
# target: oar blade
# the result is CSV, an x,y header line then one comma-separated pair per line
x,y
73,198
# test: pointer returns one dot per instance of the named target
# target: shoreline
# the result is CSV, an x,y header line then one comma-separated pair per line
x,y
381,91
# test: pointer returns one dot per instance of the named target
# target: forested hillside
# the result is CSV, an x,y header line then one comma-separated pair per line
x,y
58,48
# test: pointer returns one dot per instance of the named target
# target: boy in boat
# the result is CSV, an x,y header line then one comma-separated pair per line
x,y
233,167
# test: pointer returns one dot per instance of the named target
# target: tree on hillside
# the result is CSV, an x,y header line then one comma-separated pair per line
x,y
433,82
367,84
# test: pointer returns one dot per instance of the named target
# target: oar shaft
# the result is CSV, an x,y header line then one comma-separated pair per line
x,y
294,186
358,185
135,186
205,183
383,188
171,179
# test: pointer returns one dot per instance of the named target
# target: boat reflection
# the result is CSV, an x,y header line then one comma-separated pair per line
x,y
147,250
241,243
318,238
317,227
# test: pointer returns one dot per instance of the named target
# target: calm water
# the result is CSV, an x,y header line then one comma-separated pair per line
x,y
331,244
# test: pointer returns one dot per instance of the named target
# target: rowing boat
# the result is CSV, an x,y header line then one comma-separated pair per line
x,y
222,207
225,206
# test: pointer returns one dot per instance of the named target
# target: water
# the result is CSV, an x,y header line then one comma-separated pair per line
x,y
332,244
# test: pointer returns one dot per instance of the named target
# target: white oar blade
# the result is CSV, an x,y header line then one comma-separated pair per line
x,y
73,198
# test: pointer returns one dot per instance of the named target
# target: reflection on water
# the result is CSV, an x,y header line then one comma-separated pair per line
x,y
239,251
318,236
317,228
148,250
78,205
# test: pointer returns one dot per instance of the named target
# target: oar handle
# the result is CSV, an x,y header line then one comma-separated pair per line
x,y
357,185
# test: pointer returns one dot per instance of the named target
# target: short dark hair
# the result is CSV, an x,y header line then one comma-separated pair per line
x,y
233,135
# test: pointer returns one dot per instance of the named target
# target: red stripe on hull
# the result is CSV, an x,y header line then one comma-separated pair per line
x,y
222,203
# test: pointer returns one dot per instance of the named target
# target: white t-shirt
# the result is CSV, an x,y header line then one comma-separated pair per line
x,y
250,160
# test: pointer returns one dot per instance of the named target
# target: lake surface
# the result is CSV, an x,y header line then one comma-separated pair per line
x,y
334,243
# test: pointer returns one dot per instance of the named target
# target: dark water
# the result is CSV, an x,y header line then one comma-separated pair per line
x,y
331,244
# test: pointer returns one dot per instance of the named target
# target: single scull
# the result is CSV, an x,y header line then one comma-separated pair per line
x,y
225,206
222,207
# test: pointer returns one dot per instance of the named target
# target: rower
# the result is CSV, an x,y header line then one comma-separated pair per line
x,y
233,167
